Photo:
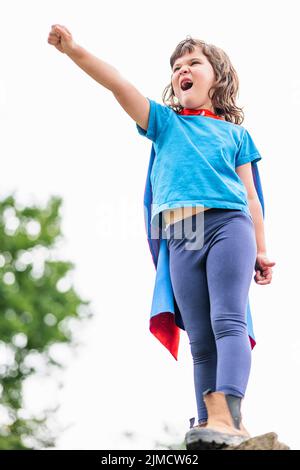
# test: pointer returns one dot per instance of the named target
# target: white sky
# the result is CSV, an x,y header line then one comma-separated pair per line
x,y
62,133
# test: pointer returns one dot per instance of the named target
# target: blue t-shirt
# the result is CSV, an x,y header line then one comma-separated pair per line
x,y
195,161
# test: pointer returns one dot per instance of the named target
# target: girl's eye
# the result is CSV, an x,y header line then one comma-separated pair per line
x,y
192,64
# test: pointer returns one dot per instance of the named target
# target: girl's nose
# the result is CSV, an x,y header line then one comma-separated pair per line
x,y
184,70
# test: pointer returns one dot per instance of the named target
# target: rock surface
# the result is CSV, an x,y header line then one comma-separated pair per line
x,y
267,441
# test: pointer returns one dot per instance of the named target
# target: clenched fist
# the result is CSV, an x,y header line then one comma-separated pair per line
x,y
61,38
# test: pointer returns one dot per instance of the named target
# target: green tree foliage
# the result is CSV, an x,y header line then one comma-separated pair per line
x,y
37,307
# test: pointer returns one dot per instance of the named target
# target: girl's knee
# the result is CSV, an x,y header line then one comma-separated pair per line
x,y
232,324
203,351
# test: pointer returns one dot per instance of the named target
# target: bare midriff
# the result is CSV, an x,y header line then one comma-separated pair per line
x,y
173,215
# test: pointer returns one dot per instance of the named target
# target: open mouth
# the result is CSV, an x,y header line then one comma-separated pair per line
x,y
186,85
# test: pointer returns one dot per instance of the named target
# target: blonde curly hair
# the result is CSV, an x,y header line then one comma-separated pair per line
x,y
225,89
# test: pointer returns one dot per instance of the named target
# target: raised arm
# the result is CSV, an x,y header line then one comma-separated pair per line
x,y
132,101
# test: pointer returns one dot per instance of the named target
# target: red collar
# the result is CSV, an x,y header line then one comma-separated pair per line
x,y
202,112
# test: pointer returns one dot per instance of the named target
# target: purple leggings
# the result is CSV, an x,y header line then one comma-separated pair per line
x,y
211,281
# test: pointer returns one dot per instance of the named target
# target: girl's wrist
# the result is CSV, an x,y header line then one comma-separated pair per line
x,y
75,51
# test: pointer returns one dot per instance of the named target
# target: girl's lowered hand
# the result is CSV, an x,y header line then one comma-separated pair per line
x,y
263,269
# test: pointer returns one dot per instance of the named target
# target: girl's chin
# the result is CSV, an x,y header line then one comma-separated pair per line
x,y
186,94
187,102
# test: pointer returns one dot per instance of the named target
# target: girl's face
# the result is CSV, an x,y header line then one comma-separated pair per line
x,y
196,67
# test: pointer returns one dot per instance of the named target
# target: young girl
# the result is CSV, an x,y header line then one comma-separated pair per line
x,y
202,182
